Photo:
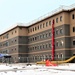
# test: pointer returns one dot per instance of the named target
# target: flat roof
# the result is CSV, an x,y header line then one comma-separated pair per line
x,y
52,13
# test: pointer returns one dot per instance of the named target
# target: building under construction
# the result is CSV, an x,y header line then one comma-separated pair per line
x,y
51,36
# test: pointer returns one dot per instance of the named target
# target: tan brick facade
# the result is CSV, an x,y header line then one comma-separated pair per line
x,y
34,41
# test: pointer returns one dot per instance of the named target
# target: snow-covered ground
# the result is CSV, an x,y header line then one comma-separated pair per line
x,y
23,69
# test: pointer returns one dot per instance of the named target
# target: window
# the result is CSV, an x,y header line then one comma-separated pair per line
x,y
12,41
49,33
12,32
61,43
56,20
73,42
43,46
37,47
33,48
6,51
72,16
49,22
61,55
40,46
43,25
40,26
61,30
35,38
15,48
7,43
57,31
35,28
50,45
15,40
46,45
46,35
50,56
46,56
46,24
40,36
43,35
60,18
7,35
57,43
57,55
12,49
73,29
15,31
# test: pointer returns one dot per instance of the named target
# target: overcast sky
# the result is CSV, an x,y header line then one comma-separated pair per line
x,y
25,11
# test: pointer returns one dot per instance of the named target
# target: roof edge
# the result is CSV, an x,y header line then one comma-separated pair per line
x,y
56,11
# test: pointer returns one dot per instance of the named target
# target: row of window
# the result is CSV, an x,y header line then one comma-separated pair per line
x,y
48,45
39,26
43,25
6,36
45,35
7,51
45,46
41,57
7,43
44,57
42,46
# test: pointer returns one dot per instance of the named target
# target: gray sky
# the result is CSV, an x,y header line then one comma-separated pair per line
x,y
24,11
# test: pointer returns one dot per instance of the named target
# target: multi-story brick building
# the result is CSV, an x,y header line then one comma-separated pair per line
x,y
35,41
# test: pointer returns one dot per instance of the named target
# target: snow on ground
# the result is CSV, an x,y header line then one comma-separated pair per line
x,y
23,69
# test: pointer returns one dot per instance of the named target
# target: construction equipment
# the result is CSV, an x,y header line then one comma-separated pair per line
x,y
59,62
